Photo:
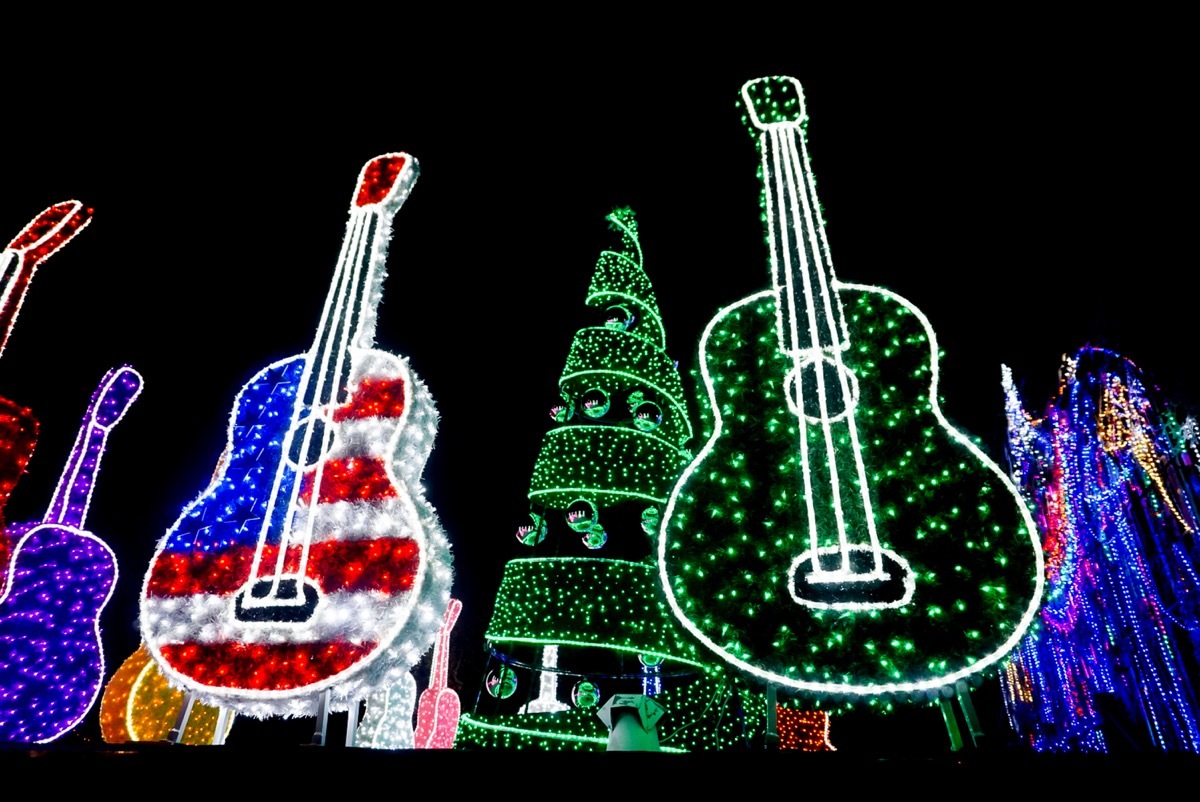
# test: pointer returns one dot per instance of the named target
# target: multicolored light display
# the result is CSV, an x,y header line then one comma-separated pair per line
x,y
1112,478
836,535
312,572
59,580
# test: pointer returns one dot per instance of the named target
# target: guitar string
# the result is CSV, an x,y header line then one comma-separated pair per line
x,y
329,314
786,181
820,248
351,301
789,149
289,437
771,170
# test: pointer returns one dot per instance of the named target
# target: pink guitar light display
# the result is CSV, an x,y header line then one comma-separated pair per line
x,y
439,706
60,578
312,571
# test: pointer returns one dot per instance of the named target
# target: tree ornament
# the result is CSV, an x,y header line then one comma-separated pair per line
x,y
619,317
582,515
501,683
534,532
595,403
595,537
585,694
647,416
651,517
562,411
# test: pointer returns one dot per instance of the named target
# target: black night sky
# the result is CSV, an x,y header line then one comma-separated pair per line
x,y
1029,201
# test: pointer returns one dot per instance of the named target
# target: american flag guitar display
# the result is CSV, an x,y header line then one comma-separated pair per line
x,y
312,570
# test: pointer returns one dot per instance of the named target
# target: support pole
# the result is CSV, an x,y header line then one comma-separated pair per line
x,y
218,738
318,738
352,724
772,718
956,741
969,714
185,712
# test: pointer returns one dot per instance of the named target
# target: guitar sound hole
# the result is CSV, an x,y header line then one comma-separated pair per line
x,y
822,378
308,443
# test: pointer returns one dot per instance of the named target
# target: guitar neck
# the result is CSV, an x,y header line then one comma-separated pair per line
x,y
810,313
348,316
73,494
441,648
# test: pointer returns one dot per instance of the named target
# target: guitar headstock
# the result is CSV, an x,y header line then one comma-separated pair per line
x,y
777,100
118,389
49,231
385,181
40,238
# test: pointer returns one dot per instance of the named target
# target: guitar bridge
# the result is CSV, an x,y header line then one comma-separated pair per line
x,y
283,599
865,579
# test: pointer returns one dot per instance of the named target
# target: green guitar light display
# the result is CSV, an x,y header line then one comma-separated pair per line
x,y
836,534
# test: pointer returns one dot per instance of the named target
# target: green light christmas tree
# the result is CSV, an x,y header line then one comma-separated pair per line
x,y
581,616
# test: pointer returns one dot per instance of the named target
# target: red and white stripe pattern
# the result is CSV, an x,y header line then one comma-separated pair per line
x,y
376,552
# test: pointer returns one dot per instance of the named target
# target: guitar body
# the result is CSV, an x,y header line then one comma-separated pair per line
x,y
59,581
375,552
438,711
960,564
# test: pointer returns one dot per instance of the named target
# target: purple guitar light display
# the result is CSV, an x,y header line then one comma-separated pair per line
x,y
60,578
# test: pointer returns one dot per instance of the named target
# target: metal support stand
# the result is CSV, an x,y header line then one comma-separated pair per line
x,y
185,712
956,741
772,718
318,738
223,715
969,714
946,697
352,724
